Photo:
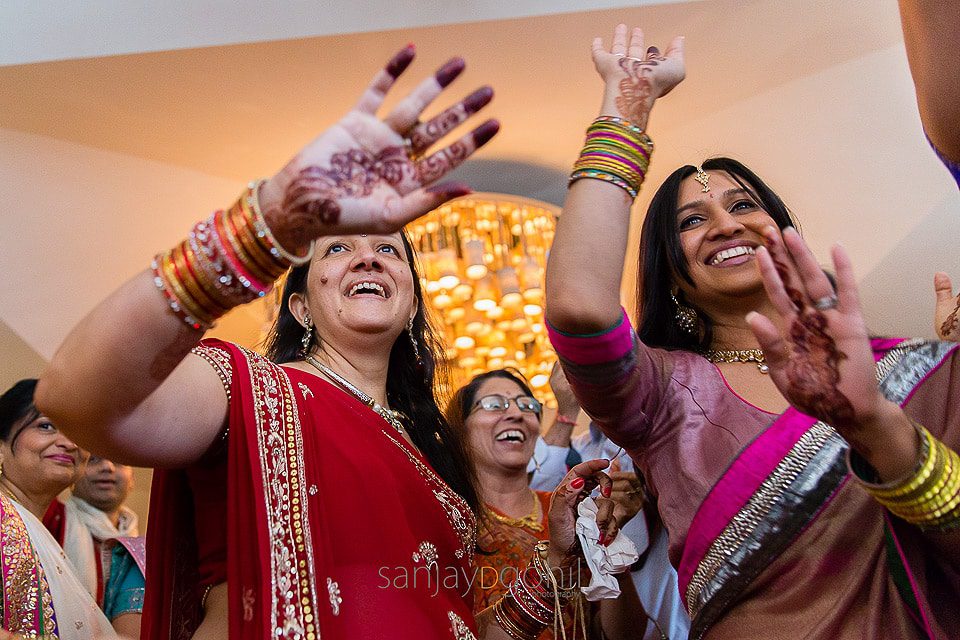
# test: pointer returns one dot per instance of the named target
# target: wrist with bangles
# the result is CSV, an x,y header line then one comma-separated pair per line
x,y
227,260
615,151
930,496
535,600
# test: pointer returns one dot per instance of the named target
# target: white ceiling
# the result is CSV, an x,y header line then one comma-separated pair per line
x,y
105,158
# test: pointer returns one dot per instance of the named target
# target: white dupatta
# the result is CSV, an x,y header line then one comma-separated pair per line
x,y
78,616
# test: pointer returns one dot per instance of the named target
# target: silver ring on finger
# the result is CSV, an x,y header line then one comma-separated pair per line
x,y
826,302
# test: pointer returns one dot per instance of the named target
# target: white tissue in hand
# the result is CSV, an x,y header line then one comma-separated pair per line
x,y
604,562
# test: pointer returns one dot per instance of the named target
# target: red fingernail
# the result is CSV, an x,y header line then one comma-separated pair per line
x,y
577,483
484,132
606,491
601,539
609,541
450,189
477,100
449,71
401,61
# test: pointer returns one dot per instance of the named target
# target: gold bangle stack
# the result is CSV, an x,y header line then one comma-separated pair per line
x,y
227,260
615,151
930,497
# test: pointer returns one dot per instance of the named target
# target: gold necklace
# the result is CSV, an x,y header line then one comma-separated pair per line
x,y
532,521
738,355
395,419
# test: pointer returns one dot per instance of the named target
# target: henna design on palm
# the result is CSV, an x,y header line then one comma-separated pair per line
x,y
636,91
314,193
813,374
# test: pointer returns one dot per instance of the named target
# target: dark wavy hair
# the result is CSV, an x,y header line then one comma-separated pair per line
x,y
411,387
462,401
17,410
662,261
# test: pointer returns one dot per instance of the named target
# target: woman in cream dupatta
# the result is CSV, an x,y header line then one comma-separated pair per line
x,y
42,597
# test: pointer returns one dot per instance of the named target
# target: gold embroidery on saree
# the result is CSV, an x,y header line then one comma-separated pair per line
x,y
280,445
26,594
220,360
333,590
460,629
458,512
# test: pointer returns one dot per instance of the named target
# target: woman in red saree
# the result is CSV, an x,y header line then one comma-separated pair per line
x,y
317,491
753,400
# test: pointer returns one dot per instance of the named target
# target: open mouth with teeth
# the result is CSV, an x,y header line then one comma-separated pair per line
x,y
368,288
742,252
511,435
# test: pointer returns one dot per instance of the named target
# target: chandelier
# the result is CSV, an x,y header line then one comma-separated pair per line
x,y
483,259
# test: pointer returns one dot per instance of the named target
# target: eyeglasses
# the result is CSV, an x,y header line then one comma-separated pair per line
x,y
496,402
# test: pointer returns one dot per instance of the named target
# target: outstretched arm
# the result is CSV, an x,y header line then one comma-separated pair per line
x,y
586,261
123,383
931,32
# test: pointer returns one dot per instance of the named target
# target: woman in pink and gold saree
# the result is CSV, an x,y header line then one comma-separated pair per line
x,y
806,473
316,491
41,595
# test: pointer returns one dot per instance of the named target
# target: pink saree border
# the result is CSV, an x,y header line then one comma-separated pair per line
x,y
743,478
606,346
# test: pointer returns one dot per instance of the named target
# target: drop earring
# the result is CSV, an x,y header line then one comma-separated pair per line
x,y
685,317
414,343
307,336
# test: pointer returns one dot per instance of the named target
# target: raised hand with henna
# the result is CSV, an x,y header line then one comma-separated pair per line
x,y
370,175
635,75
819,353
947,314
576,486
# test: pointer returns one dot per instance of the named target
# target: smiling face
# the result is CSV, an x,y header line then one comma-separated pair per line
x,y
719,232
41,459
501,441
358,285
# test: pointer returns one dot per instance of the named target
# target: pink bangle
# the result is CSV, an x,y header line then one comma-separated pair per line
x,y
562,419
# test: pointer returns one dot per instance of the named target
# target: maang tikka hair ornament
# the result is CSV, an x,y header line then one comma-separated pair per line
x,y
703,178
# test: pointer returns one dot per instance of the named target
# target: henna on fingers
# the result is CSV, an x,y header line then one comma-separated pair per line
x,y
952,323
813,371
438,164
427,133
449,72
399,63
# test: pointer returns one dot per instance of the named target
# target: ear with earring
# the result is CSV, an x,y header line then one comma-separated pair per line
x,y
307,336
685,317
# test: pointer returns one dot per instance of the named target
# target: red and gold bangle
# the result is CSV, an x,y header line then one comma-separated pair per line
x,y
240,242
228,259
252,200
193,283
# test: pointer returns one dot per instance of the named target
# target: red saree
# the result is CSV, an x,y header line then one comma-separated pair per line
x,y
336,526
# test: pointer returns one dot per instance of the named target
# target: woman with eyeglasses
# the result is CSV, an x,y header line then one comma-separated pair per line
x,y
499,420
